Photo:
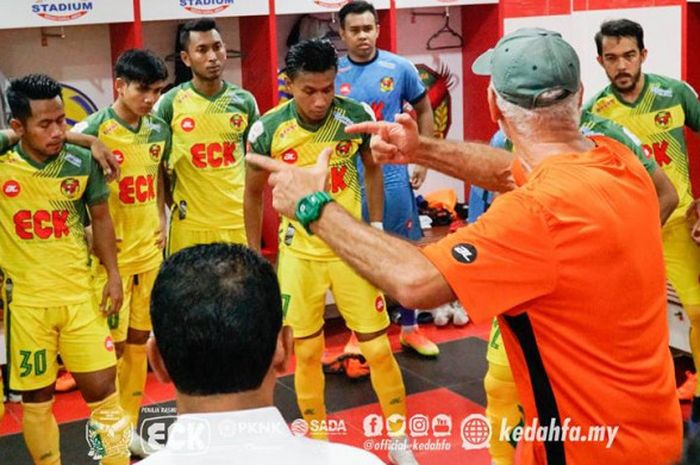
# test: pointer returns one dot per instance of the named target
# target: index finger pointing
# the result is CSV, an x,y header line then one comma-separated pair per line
x,y
265,163
369,127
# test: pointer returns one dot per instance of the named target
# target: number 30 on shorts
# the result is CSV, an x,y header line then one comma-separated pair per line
x,y
32,362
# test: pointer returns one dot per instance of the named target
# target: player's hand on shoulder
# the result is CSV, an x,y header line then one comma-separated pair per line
x,y
106,159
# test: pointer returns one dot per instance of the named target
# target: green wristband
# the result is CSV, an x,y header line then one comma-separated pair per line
x,y
309,208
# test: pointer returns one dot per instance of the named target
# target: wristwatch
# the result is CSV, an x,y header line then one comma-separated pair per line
x,y
309,208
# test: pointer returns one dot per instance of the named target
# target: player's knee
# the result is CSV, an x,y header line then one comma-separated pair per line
x,y
309,350
38,395
137,336
377,350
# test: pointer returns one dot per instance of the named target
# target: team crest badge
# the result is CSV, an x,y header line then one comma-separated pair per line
x,y
70,188
439,82
237,120
663,119
343,148
154,152
386,84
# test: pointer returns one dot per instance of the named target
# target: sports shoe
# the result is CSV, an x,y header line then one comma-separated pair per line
x,y
459,315
418,342
442,315
356,366
400,452
65,382
686,391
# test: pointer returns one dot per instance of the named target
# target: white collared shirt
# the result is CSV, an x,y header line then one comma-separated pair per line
x,y
256,436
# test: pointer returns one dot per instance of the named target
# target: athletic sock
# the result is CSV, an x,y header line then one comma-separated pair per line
x,y
309,382
132,372
502,404
386,380
41,432
110,429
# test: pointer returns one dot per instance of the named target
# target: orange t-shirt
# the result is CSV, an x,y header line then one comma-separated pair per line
x,y
571,262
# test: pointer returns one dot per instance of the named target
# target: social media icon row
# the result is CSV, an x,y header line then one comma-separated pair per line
x,y
420,425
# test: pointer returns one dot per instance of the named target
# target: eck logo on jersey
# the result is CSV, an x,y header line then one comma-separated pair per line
x,y
206,7
61,11
70,188
342,149
663,119
386,84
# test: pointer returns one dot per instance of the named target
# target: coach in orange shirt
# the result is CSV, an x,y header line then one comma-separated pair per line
x,y
570,261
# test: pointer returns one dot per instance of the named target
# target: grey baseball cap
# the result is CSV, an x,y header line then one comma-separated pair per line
x,y
528,63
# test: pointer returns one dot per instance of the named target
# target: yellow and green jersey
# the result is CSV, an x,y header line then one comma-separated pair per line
x,y
281,134
43,208
133,202
207,158
658,117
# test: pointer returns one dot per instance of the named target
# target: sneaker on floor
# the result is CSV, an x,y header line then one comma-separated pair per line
x,y
14,397
459,315
355,366
686,391
442,315
418,342
136,446
65,382
400,452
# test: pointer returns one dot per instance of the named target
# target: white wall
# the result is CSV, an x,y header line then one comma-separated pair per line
x,y
412,40
82,59
662,37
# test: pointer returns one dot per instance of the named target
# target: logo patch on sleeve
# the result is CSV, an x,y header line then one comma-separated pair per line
x,y
464,253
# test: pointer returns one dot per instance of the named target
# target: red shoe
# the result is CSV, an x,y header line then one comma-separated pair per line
x,y
686,391
356,366
65,382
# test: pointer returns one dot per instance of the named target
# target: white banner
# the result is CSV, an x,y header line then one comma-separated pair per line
x,y
154,10
283,7
46,13
434,3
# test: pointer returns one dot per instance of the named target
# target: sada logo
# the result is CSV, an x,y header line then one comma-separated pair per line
x,y
52,10
205,7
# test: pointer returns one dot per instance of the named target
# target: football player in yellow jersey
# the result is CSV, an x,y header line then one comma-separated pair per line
x,y
296,132
210,119
140,141
48,187
658,109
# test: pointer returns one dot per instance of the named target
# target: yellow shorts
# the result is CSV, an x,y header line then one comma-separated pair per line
x,y
180,238
682,257
496,351
135,312
304,283
36,335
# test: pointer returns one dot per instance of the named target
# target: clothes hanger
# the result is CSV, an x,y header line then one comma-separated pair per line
x,y
446,30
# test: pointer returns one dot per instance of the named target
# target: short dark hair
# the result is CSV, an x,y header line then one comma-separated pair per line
x,y
197,25
312,55
356,8
27,88
619,28
216,302
143,66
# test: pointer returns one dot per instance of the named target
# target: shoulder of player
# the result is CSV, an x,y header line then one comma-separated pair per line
x,y
594,101
79,157
277,114
157,124
665,86
91,124
356,110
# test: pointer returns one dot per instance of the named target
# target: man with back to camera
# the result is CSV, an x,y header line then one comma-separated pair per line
x,y
210,119
48,187
385,82
295,132
551,267
657,109
224,362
